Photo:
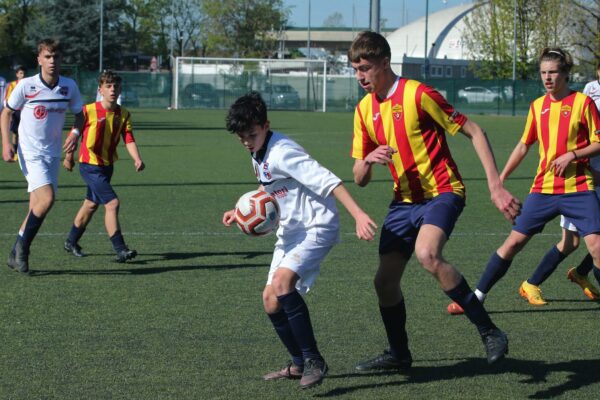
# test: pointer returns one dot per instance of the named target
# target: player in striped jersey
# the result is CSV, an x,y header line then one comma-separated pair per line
x,y
106,122
400,123
566,125
16,116
43,100
530,288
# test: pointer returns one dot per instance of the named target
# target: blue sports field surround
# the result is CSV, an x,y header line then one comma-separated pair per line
x,y
582,209
403,221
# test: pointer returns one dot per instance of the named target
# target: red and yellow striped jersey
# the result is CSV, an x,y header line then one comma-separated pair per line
x,y
9,88
559,127
412,120
101,133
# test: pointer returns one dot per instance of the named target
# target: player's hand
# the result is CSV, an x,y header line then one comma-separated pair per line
x,y
381,155
139,165
508,204
70,143
365,227
68,164
560,164
8,153
228,217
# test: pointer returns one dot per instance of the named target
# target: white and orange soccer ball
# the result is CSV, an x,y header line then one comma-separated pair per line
x,y
257,213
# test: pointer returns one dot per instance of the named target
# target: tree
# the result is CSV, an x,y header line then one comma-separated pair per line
x,y
242,28
585,20
489,37
335,20
15,17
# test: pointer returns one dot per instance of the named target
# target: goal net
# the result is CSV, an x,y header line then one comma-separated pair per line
x,y
200,82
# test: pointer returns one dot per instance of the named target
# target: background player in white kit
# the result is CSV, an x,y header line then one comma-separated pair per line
x,y
43,100
308,229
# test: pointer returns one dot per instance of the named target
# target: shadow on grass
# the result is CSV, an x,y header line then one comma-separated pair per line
x,y
130,268
581,373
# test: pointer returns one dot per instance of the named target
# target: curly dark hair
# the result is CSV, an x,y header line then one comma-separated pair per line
x,y
247,111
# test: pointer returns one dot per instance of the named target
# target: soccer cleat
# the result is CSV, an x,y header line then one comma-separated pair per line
x,y
124,255
532,293
455,309
290,371
315,370
588,288
386,361
496,344
18,259
74,249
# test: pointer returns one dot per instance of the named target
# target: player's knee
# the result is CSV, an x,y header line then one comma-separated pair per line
x,y
282,285
270,303
90,206
428,259
112,205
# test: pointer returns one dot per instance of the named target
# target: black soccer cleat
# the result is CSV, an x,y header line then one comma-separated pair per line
x,y
315,370
496,344
386,361
74,249
125,255
18,259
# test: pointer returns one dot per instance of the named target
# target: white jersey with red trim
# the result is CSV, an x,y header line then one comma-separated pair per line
x,y
43,111
302,188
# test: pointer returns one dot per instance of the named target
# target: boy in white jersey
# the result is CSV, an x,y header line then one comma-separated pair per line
x,y
43,100
308,229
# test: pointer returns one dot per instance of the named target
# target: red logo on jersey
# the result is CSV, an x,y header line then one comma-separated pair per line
x,y
40,112
397,111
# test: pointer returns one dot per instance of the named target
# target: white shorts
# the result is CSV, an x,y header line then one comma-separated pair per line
x,y
304,257
567,224
39,170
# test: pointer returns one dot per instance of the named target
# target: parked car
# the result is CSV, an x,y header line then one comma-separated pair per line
x,y
280,96
478,94
200,95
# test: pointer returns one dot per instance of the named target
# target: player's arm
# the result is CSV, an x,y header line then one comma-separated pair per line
x,y
509,205
133,151
365,227
362,168
559,164
71,141
8,151
517,155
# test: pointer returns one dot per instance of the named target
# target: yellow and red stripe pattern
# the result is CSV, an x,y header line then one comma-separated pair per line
x,y
102,132
559,127
9,88
412,120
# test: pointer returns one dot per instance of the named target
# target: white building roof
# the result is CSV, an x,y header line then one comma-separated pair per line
x,y
444,28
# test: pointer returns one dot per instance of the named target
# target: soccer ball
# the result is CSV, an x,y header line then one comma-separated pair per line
x,y
257,213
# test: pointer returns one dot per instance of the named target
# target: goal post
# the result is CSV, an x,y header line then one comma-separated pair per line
x,y
206,82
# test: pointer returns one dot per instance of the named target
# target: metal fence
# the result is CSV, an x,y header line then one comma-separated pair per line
x,y
299,91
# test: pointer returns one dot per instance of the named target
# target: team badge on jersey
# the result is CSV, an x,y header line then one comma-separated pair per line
x,y
64,91
565,110
397,111
40,112
266,172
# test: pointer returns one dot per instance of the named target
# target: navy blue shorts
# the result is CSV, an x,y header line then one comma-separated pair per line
x,y
582,209
97,178
403,221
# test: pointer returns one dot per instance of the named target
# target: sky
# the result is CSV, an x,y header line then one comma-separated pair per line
x,y
397,12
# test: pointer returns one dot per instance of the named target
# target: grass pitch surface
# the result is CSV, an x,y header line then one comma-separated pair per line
x,y
184,320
